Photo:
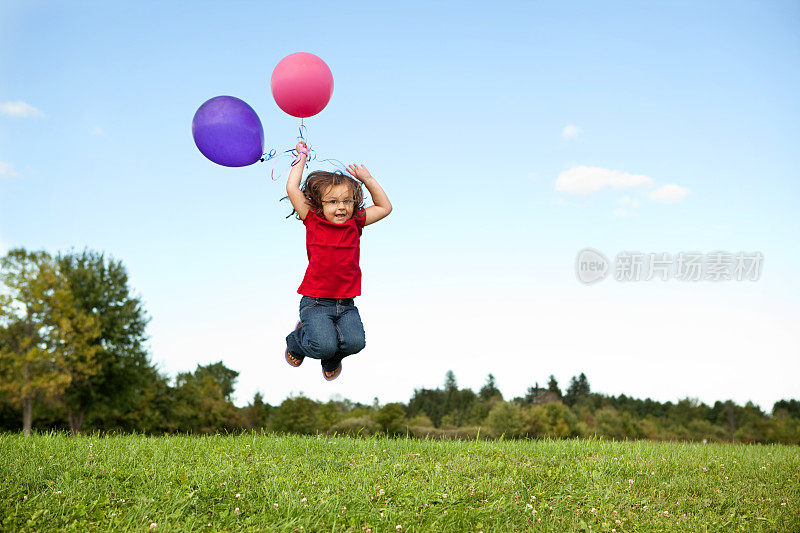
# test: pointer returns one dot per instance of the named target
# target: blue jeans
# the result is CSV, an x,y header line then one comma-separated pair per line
x,y
331,329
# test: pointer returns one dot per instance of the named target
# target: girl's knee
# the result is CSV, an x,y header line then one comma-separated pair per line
x,y
355,344
320,348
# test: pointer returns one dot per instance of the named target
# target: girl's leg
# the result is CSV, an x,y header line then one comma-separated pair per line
x,y
351,336
317,336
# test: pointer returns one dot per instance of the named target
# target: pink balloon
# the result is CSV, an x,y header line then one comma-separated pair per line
x,y
302,84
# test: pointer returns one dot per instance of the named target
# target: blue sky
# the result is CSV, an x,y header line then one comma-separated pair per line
x,y
489,127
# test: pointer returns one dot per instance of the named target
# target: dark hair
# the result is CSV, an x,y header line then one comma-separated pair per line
x,y
319,181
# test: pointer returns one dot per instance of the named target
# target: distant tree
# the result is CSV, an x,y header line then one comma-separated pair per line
x,y
753,424
552,386
46,339
328,414
392,419
686,410
223,375
450,382
730,413
202,404
532,394
457,403
462,405
578,389
217,372
100,287
506,419
156,411
552,419
256,413
431,402
792,407
296,414
490,390
784,428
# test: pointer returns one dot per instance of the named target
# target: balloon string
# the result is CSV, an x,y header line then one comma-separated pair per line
x,y
311,156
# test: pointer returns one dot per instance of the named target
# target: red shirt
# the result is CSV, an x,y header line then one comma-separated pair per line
x,y
333,253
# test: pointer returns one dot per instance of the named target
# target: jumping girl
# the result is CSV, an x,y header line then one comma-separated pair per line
x,y
330,204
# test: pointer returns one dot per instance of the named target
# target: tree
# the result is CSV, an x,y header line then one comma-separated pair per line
x,y
257,412
391,418
101,288
506,419
156,411
296,414
532,395
201,404
490,390
328,414
46,340
554,419
450,382
552,386
428,401
791,407
223,375
578,388
457,403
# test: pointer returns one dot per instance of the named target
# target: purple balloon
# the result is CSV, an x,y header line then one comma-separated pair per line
x,y
228,132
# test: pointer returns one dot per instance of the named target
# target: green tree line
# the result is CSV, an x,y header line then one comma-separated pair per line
x,y
73,357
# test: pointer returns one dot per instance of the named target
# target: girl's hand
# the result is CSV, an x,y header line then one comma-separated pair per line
x,y
359,173
301,148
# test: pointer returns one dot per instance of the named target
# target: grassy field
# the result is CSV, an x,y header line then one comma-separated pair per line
x,y
293,483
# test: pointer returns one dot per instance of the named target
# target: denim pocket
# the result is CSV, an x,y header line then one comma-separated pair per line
x,y
306,302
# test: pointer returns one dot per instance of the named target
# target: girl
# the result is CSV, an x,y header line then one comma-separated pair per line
x,y
330,204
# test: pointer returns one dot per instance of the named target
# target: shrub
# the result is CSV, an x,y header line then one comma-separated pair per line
x,y
392,419
362,426
506,419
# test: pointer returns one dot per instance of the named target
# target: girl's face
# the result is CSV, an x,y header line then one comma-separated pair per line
x,y
337,204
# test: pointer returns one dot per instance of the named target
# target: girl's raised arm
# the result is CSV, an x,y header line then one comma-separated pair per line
x,y
296,196
382,206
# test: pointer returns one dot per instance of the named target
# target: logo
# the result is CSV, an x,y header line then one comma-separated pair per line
x,y
591,265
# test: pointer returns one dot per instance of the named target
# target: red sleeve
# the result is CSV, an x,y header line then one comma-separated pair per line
x,y
309,218
361,219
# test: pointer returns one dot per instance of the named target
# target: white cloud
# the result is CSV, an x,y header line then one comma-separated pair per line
x,y
19,109
97,130
570,132
586,180
7,170
669,193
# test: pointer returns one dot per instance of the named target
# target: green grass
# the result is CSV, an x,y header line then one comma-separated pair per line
x,y
292,483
